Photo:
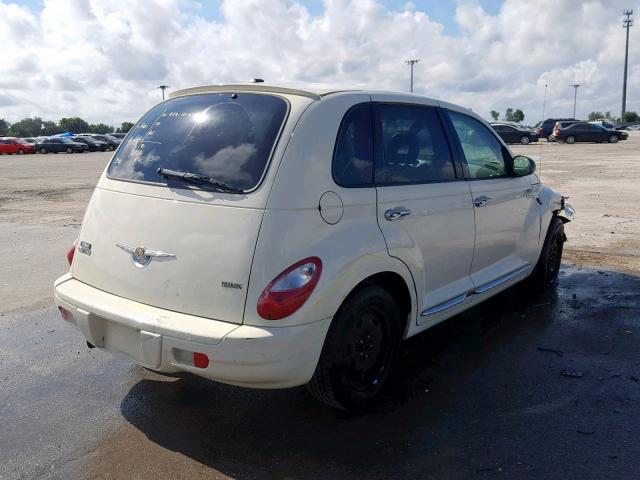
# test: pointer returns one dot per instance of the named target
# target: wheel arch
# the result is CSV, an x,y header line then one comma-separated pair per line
x,y
397,287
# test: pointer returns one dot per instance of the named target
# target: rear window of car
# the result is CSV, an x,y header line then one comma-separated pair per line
x,y
228,137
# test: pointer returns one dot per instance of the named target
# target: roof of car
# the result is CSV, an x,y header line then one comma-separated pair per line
x,y
310,90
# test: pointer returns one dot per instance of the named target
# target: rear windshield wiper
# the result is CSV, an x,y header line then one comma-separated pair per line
x,y
197,179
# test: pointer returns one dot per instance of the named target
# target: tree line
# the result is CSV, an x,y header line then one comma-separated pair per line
x,y
36,127
510,115
628,117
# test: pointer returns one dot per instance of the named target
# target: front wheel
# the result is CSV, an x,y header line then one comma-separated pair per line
x,y
545,275
571,140
21,152
359,351
43,150
525,140
69,150
613,139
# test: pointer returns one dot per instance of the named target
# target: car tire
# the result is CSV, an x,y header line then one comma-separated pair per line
x,y
613,139
525,140
69,150
20,152
359,351
545,274
43,151
111,148
550,138
570,140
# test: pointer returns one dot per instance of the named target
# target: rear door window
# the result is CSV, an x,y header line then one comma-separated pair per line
x,y
228,137
413,146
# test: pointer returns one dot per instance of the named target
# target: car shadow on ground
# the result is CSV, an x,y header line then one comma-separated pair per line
x,y
481,394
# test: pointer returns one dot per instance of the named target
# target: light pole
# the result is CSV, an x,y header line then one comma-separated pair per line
x,y
163,88
411,63
575,97
626,23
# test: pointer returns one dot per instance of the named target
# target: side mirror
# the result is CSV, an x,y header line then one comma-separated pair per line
x,y
523,166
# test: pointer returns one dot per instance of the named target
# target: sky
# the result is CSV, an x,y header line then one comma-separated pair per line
x,y
103,59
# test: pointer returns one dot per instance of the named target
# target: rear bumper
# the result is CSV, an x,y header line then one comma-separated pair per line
x,y
163,340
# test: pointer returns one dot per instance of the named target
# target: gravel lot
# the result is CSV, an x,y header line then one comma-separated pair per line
x,y
478,396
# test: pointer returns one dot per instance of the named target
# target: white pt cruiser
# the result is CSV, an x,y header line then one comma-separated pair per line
x,y
269,236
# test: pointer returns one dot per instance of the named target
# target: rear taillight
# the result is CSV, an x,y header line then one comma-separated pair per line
x,y
289,290
70,253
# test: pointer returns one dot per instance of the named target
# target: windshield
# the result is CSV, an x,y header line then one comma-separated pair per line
x,y
66,140
225,136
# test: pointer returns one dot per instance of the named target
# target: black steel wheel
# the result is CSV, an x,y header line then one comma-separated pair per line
x,y
545,275
359,350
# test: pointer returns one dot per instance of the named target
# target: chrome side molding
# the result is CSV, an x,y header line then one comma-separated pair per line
x,y
444,305
500,280
476,291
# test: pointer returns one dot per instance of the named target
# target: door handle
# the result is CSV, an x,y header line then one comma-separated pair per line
x,y
481,201
395,213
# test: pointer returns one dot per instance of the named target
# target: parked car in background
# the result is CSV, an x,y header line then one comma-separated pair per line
x,y
11,145
30,140
588,132
375,251
118,135
604,123
545,128
60,144
633,127
112,142
92,144
514,134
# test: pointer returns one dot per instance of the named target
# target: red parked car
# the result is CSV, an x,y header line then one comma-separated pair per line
x,y
15,145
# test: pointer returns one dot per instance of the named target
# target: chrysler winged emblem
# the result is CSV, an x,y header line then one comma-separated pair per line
x,y
142,256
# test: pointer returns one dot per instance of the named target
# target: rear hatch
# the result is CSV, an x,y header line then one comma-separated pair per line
x,y
184,243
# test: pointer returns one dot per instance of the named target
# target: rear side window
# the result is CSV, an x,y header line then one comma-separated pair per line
x,y
414,146
228,137
483,152
353,157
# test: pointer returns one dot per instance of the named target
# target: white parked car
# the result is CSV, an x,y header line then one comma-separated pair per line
x,y
268,236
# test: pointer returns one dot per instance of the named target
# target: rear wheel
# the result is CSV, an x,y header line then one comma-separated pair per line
x,y
545,275
571,139
43,150
613,139
69,150
359,350
525,140
20,152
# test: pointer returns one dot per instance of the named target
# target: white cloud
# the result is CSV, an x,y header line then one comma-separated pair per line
x,y
102,59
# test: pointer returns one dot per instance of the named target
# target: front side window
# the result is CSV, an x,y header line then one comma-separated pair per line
x,y
413,146
227,137
483,152
353,157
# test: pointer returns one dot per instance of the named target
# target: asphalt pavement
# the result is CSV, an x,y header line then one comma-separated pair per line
x,y
523,386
